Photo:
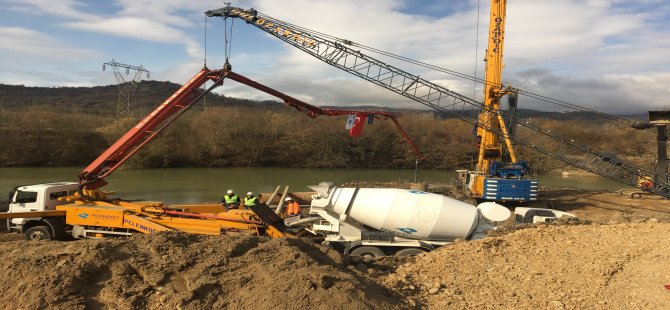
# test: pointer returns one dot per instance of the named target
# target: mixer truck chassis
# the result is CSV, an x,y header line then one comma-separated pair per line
x,y
373,222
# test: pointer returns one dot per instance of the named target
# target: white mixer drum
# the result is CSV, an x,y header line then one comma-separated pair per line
x,y
406,213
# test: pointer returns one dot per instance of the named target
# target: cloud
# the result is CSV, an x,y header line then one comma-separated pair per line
x,y
598,52
155,21
62,8
132,27
617,93
24,42
159,11
595,40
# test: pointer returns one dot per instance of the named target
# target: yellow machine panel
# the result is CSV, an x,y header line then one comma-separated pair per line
x,y
203,208
82,215
142,224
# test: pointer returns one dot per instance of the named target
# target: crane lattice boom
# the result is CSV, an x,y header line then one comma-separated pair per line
x,y
335,52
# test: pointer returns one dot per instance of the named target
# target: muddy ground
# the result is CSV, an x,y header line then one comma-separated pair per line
x,y
616,256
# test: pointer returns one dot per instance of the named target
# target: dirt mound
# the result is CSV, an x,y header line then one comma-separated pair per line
x,y
511,225
181,271
6,237
545,267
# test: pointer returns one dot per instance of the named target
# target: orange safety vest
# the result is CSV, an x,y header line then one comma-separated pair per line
x,y
293,208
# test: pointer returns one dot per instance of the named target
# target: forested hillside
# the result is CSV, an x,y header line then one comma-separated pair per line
x,y
72,126
104,98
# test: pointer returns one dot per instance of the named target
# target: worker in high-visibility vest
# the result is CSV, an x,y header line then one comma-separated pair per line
x,y
292,207
230,200
250,200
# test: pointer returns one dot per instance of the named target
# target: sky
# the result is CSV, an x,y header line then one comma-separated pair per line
x,y
606,55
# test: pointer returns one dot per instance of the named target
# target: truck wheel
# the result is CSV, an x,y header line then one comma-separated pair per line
x,y
37,233
367,252
409,252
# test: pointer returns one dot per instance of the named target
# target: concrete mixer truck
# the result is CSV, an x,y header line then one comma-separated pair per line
x,y
373,222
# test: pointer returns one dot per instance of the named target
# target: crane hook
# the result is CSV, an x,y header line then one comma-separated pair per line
x,y
227,66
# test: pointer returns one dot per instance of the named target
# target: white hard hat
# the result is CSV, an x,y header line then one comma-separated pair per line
x,y
230,191
288,199
250,194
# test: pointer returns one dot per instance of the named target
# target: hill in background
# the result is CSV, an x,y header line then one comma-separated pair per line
x,y
149,94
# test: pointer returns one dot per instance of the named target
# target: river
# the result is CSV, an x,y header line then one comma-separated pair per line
x,y
191,185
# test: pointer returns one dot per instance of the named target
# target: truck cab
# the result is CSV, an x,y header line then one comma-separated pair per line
x,y
36,198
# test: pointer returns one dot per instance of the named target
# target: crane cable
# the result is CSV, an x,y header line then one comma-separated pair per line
x,y
205,58
228,40
474,90
451,72
482,81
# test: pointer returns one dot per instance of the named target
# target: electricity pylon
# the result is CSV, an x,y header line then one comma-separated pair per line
x,y
125,107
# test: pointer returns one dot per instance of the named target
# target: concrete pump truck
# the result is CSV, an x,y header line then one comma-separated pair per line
x,y
51,210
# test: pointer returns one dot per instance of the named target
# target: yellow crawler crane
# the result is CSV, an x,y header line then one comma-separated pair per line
x,y
498,175
504,177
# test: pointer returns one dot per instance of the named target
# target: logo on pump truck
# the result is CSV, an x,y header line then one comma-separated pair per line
x,y
98,216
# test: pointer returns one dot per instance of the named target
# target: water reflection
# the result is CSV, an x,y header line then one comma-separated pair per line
x,y
191,185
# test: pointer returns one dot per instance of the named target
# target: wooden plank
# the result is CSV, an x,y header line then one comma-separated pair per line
x,y
269,201
281,200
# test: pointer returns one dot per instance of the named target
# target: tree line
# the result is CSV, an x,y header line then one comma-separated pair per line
x,y
254,136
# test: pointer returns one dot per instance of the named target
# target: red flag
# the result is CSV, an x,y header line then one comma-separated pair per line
x,y
667,286
356,130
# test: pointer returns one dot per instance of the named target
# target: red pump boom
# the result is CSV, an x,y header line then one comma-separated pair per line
x,y
93,176
314,111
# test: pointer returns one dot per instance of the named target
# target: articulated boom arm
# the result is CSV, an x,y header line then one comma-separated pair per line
x,y
335,53
93,176
313,111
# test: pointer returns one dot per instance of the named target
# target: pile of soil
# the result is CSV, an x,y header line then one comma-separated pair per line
x,y
616,255
181,271
588,266
608,207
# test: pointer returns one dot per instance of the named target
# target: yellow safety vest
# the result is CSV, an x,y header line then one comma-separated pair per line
x,y
233,199
250,201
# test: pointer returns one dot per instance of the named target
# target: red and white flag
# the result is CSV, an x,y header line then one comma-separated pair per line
x,y
357,128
